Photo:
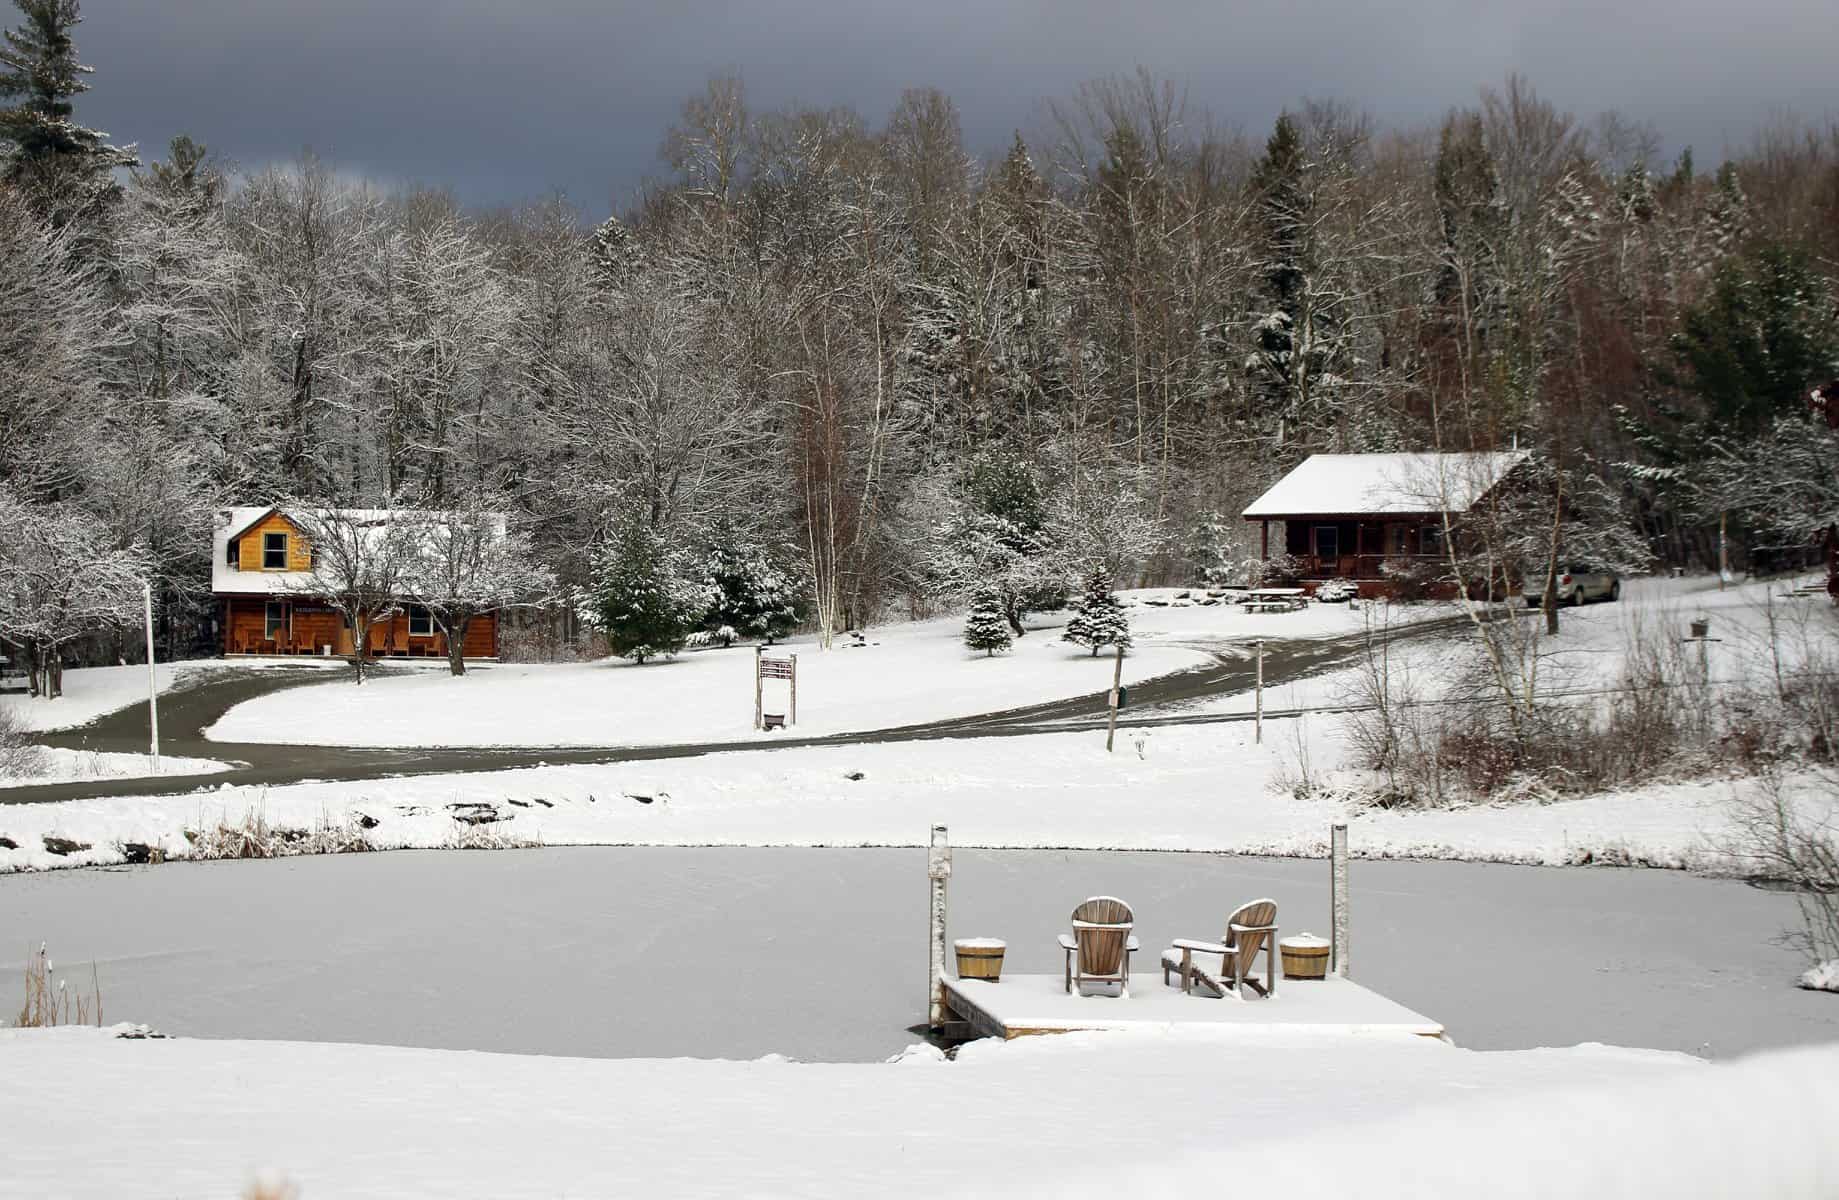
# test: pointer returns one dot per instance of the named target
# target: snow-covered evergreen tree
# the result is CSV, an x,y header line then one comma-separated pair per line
x,y
644,603
986,628
63,168
756,588
1100,619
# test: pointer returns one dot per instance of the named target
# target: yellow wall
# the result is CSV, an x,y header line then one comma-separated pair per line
x,y
249,545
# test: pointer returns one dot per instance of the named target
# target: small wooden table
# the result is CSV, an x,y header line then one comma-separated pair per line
x,y
1275,599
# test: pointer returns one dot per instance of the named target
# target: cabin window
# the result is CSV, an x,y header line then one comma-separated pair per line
x,y
274,620
1401,539
1433,538
229,553
1327,541
421,622
274,552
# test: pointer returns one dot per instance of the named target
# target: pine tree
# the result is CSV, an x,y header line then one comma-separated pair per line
x,y
756,590
1101,620
643,603
65,168
985,628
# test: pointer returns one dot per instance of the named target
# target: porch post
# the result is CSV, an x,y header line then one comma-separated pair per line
x,y
1264,552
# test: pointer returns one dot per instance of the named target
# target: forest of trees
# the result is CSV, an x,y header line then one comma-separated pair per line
x,y
819,331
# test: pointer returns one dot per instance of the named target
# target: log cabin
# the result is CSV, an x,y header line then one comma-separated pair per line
x,y
1370,518
259,563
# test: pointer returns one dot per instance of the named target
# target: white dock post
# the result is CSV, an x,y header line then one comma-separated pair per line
x,y
153,681
938,870
1258,719
1337,897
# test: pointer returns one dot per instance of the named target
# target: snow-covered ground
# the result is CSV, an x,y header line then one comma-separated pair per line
x,y
1143,1113
91,692
905,674
1753,623
1202,787
57,765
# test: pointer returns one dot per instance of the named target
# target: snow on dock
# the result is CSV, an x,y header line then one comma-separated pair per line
x,y
1022,1005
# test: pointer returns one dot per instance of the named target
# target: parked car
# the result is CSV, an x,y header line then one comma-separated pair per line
x,y
1575,585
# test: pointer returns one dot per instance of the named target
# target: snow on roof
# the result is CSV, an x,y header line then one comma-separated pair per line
x,y
234,522
1325,485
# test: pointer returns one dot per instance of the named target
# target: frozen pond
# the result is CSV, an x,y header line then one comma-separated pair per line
x,y
820,954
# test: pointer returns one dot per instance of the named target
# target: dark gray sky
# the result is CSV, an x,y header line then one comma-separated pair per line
x,y
504,100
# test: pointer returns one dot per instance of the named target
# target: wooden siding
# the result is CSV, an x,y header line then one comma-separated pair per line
x,y
249,544
312,625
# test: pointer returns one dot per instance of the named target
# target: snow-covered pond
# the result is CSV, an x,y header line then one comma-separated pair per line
x,y
820,954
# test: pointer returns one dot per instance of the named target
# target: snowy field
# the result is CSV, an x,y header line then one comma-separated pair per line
x,y
1407,1117
1201,787
1754,623
905,674
91,692
57,765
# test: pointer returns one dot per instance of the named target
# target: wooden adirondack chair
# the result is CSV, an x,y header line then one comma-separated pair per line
x,y
1098,949
1251,929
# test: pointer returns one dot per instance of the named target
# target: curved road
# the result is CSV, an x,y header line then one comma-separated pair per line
x,y
186,712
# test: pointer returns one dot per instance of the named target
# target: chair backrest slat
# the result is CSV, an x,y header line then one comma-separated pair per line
x,y
1258,912
1101,926
1104,910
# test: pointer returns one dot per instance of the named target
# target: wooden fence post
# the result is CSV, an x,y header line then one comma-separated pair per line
x,y
794,686
757,697
1337,888
1117,681
938,870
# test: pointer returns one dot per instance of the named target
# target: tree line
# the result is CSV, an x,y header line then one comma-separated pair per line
x,y
897,370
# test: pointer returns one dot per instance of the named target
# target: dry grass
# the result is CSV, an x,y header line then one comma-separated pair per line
x,y
467,836
20,757
255,837
50,1002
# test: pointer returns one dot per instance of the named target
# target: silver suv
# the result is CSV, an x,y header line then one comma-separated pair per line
x,y
1575,585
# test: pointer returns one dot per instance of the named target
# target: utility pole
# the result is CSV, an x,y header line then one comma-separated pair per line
x,y
1117,681
153,680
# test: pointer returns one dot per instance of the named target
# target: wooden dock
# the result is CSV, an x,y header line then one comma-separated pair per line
x,y
1024,1005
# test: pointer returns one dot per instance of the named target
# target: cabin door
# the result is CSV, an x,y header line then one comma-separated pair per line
x,y
1328,549
344,646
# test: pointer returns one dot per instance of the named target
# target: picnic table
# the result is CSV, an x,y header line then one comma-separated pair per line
x,y
1275,599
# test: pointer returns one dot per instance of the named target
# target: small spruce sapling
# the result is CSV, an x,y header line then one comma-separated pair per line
x,y
1100,620
986,628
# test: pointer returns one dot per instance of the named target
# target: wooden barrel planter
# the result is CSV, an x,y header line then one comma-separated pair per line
x,y
980,958
1304,957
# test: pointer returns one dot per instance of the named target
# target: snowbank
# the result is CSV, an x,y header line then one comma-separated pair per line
x,y
60,765
900,675
1823,977
1173,788
123,1118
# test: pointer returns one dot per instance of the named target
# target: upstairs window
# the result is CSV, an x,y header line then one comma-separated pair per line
x,y
230,557
274,552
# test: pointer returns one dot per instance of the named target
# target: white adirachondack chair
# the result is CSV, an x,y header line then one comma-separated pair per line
x,y
1251,929
1098,949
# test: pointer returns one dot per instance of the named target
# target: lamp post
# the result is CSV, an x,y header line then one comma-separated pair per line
x,y
153,681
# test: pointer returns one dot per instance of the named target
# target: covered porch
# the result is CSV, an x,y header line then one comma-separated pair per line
x,y
1356,548
270,626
